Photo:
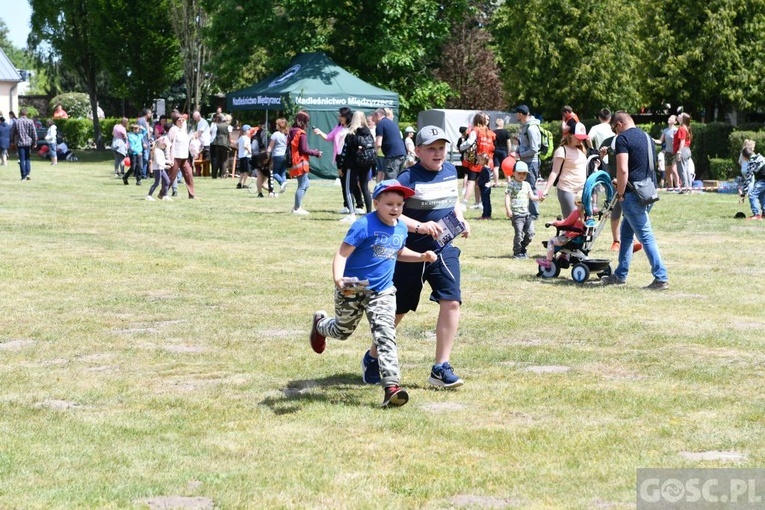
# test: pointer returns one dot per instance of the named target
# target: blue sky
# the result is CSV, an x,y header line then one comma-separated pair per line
x,y
16,14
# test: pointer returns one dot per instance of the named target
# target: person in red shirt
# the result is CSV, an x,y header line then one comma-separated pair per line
x,y
682,146
484,138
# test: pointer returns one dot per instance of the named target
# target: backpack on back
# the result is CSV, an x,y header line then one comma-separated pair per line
x,y
546,144
365,152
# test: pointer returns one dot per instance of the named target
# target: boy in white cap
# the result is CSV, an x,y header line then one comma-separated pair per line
x,y
517,199
363,273
436,196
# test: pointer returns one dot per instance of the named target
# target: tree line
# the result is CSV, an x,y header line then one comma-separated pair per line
x,y
703,55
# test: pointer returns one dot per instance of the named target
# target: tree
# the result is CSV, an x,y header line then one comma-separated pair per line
x,y
394,44
469,67
556,52
63,32
188,20
707,55
141,59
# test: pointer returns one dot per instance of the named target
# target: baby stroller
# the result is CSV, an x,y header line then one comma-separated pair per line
x,y
575,253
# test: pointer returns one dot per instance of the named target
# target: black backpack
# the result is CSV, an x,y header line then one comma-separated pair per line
x,y
365,152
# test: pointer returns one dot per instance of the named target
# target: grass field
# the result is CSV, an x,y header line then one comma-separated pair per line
x,y
156,353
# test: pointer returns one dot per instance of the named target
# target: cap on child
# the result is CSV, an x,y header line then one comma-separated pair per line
x,y
521,168
430,134
392,185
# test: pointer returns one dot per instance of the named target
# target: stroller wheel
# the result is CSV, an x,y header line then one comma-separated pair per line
x,y
580,273
550,272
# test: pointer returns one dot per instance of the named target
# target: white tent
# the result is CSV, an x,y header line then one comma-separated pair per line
x,y
451,121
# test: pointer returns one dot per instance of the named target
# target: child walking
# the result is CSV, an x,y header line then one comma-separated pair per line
x,y
135,150
368,254
159,167
484,183
244,152
517,199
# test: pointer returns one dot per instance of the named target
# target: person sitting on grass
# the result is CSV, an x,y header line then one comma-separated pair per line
x,y
363,273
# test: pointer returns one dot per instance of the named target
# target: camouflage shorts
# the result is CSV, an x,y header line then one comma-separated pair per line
x,y
380,309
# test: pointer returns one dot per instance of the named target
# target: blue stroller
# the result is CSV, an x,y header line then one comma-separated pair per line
x,y
575,253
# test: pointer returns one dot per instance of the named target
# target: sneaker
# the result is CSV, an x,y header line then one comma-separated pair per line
x,y
167,198
370,369
636,247
442,376
520,256
283,187
344,210
175,193
300,211
28,178
395,396
476,206
273,195
359,210
348,219
150,198
755,217
239,185
124,180
611,279
615,246
544,263
657,285
137,183
318,341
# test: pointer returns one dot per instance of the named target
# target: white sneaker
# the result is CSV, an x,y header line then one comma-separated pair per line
x,y
300,211
349,219
284,187
150,198
344,210
167,198
273,195
477,206
359,210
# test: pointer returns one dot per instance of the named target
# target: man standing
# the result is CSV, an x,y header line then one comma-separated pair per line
x,y
145,122
388,139
529,140
203,131
435,182
633,151
24,136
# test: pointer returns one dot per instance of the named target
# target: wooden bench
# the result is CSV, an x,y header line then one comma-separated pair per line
x,y
202,167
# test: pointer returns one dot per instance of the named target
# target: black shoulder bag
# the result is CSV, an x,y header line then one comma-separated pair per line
x,y
645,189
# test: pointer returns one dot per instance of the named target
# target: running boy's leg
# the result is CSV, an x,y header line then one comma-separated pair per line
x,y
381,312
348,313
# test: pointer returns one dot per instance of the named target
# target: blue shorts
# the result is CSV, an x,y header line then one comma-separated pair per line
x,y
443,276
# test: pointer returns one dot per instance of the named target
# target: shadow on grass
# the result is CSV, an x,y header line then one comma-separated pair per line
x,y
334,389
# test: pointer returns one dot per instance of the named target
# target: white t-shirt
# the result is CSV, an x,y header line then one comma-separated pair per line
x,y
203,128
179,142
600,132
243,146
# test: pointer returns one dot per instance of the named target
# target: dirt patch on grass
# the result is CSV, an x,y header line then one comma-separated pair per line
x,y
177,503
470,501
184,349
442,407
134,331
16,345
58,405
714,455
547,369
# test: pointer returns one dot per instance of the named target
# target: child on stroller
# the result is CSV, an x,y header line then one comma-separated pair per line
x,y
573,232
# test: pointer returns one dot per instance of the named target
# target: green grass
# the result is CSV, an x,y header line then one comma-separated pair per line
x,y
158,349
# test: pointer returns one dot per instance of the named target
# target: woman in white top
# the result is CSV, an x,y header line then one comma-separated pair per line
x,y
178,138
411,157
50,137
569,168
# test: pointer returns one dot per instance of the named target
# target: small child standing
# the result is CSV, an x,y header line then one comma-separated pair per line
x,y
517,198
159,166
363,273
484,184
135,151
574,227
243,156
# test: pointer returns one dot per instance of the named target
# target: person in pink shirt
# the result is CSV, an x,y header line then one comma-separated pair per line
x,y
120,147
337,137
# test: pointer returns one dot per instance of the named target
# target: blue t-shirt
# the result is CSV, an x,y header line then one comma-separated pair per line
x,y
634,142
376,248
435,195
392,143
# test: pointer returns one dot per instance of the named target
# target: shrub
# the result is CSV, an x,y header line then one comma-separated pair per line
x,y
722,169
32,112
78,133
76,104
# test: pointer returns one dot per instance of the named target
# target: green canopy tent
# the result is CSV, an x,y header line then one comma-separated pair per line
x,y
314,83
